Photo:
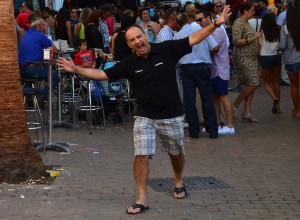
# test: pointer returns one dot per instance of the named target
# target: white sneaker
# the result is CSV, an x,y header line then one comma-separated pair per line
x,y
203,129
226,130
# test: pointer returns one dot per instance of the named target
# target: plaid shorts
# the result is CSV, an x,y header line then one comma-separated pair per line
x,y
170,132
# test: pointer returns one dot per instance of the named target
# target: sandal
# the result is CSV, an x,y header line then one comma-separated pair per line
x,y
248,117
180,190
275,106
139,206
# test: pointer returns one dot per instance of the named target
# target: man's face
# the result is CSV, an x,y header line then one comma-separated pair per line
x,y
262,4
74,13
138,41
201,20
21,9
24,7
173,24
106,14
42,27
218,7
82,47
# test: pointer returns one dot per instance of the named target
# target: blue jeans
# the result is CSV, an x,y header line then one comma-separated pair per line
x,y
198,76
40,72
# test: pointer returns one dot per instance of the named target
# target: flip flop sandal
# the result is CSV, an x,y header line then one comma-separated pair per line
x,y
180,190
140,206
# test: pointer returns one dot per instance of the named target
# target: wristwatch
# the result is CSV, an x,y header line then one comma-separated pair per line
x,y
216,25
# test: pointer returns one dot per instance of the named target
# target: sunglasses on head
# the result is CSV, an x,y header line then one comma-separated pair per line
x,y
199,20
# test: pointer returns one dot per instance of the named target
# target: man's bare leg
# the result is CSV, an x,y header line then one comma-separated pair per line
x,y
178,165
141,174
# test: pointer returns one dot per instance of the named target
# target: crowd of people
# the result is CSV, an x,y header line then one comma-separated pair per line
x,y
168,55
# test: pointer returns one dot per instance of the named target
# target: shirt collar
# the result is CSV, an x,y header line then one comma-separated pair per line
x,y
32,29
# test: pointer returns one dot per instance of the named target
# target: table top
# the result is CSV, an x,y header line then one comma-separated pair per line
x,y
70,50
53,62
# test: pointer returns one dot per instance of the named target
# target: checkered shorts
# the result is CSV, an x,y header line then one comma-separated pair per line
x,y
170,132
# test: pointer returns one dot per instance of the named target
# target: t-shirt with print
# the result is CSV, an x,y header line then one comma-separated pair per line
x,y
84,57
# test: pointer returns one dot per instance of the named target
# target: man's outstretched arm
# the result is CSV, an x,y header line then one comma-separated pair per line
x,y
200,35
69,66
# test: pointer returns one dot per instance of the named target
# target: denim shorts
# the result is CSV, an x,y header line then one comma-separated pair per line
x,y
219,86
268,62
170,132
292,67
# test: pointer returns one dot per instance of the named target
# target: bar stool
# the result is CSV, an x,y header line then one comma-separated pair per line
x,y
38,119
128,99
68,94
88,103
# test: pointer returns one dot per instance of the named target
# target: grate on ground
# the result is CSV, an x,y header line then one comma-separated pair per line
x,y
193,183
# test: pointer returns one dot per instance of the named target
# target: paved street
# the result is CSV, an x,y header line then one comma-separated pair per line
x,y
261,164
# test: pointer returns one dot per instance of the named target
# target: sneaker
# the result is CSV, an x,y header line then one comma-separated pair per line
x,y
204,130
226,130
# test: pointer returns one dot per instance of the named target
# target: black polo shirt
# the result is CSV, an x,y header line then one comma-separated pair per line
x,y
153,80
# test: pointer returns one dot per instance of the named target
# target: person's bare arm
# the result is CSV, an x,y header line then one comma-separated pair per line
x,y
215,49
69,66
247,40
20,34
68,26
76,30
55,50
200,35
112,49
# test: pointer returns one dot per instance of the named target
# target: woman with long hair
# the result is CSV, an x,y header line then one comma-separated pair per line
x,y
290,44
271,59
84,17
92,35
119,46
63,26
245,52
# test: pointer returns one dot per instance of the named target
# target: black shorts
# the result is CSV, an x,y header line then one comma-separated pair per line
x,y
268,62
219,86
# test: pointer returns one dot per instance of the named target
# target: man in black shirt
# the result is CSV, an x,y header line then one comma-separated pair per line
x,y
151,71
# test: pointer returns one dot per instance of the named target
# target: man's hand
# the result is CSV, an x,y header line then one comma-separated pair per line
x,y
67,65
90,73
226,13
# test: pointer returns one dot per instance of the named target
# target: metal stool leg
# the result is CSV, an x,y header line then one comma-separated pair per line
x,y
38,123
88,106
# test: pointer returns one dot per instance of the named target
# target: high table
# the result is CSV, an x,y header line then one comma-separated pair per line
x,y
60,122
50,145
